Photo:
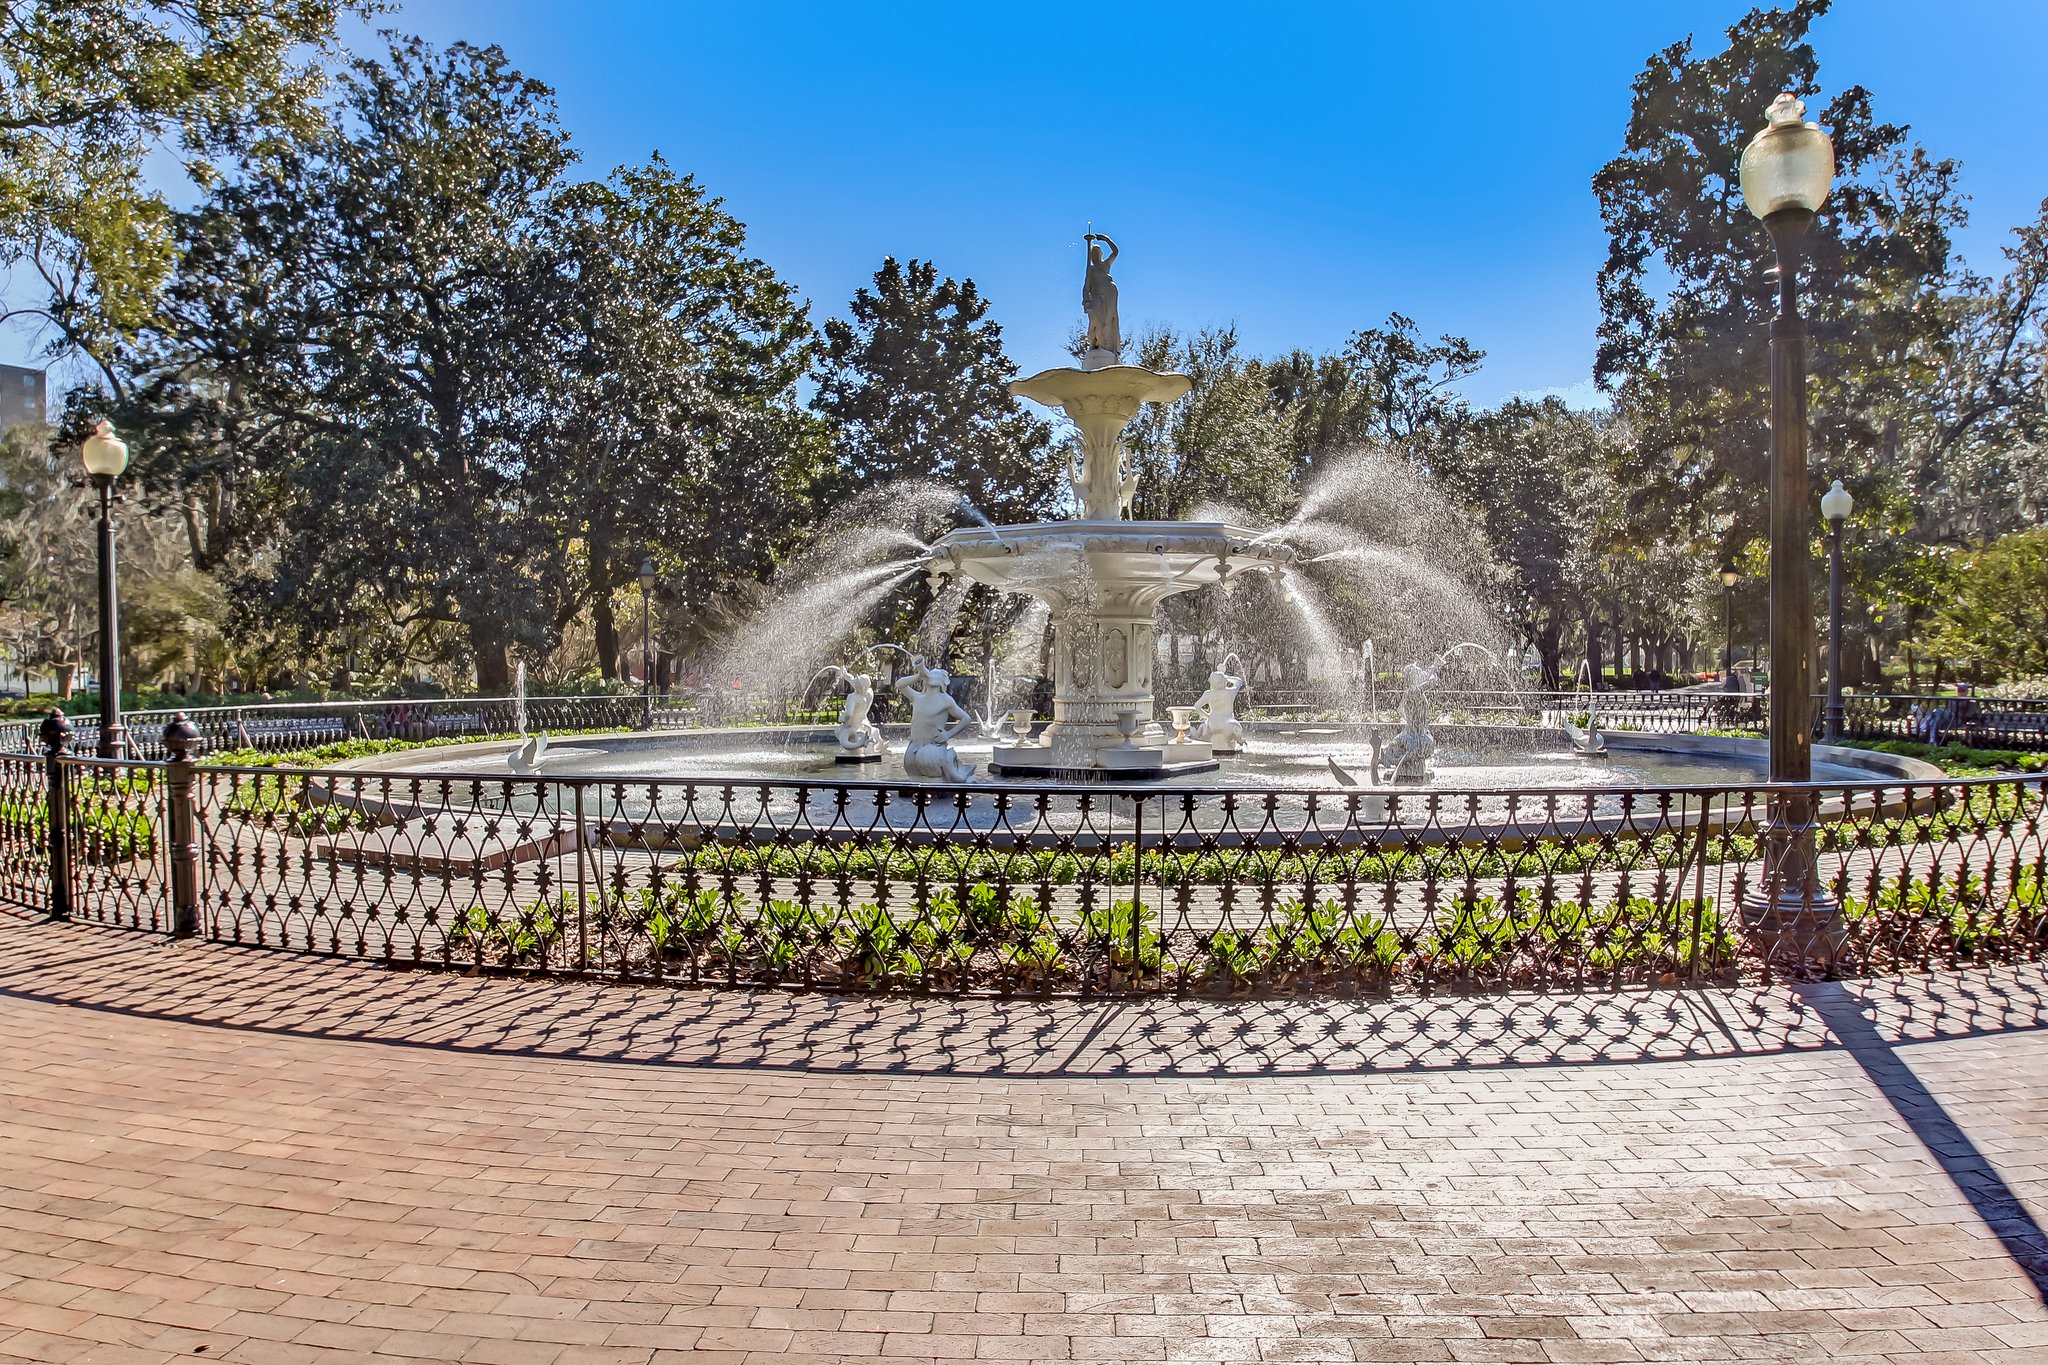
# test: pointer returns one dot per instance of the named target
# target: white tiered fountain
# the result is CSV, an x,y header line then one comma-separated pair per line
x,y
1103,577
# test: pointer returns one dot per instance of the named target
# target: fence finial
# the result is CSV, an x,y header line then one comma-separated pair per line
x,y
181,737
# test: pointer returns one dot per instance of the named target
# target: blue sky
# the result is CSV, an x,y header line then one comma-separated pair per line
x,y
1300,170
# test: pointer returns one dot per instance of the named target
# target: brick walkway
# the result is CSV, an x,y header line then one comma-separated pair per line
x,y
220,1154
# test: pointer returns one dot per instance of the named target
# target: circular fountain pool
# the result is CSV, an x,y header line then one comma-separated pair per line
x,y
1281,757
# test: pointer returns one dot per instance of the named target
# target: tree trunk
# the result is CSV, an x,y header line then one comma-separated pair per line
x,y
1548,649
606,628
1593,661
493,660
603,624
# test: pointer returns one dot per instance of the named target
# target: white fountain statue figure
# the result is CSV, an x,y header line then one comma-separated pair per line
x,y
1409,751
1216,722
1586,741
519,697
1117,572
860,739
935,721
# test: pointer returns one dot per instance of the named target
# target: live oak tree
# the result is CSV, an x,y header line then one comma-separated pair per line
x,y
89,89
1224,443
1994,620
425,377
376,313
1536,475
1975,441
1389,386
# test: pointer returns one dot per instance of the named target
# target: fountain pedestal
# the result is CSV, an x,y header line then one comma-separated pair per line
x,y
1103,583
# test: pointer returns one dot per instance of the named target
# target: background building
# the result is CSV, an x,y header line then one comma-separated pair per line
x,y
24,397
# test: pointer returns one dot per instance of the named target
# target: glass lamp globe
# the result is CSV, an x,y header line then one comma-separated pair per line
x,y
1836,504
105,454
1790,164
1729,573
647,575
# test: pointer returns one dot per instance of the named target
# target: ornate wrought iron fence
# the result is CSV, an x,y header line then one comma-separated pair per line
x,y
117,831
1093,891
30,877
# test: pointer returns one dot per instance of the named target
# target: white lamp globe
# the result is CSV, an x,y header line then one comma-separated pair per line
x,y
1836,504
1789,165
105,454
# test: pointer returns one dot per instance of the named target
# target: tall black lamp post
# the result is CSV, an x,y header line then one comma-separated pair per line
x,y
1730,575
647,582
106,455
1786,172
1835,507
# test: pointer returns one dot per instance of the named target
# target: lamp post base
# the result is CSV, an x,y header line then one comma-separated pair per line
x,y
1791,918
1794,930
113,740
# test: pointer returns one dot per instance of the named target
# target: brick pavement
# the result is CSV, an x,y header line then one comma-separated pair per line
x,y
211,1153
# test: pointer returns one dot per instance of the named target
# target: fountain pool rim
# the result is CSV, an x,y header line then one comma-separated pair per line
x,y
632,811
1884,769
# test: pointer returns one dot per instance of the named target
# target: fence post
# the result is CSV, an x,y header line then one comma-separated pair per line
x,y
1137,892
56,736
181,782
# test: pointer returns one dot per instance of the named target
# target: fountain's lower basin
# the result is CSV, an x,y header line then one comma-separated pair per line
x,y
1283,757
1495,783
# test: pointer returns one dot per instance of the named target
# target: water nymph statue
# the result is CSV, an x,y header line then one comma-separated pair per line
x,y
1098,299
859,737
1216,722
935,720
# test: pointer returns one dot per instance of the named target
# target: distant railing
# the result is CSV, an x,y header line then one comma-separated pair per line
x,y
284,727
1022,889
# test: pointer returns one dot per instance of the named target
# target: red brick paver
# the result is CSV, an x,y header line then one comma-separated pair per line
x,y
209,1153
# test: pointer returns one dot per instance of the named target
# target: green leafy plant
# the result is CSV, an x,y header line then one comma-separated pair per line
x,y
509,937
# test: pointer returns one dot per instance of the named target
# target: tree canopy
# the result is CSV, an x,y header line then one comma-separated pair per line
x,y
407,387
89,89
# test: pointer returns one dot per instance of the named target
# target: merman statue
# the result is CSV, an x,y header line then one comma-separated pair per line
x,y
860,739
1409,751
1216,722
935,719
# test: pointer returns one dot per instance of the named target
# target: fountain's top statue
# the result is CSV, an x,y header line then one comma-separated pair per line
x,y
1098,300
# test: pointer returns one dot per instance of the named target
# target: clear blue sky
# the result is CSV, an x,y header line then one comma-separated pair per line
x,y
1298,169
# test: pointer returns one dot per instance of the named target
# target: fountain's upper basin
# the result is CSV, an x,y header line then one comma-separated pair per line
x,y
1168,556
